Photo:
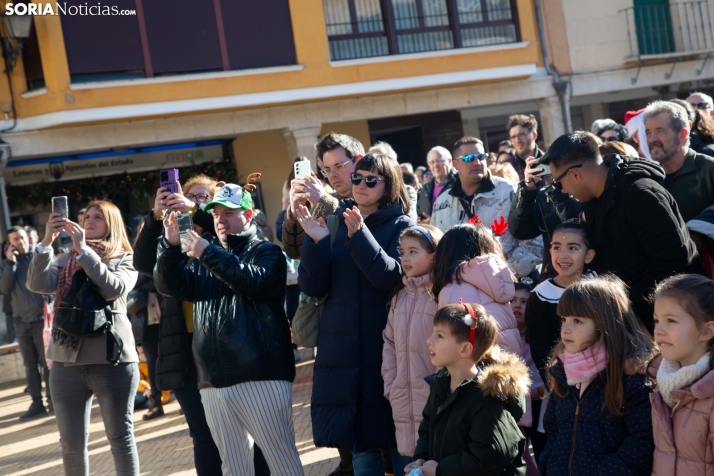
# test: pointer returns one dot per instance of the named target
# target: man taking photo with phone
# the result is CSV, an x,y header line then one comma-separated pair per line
x,y
241,343
27,309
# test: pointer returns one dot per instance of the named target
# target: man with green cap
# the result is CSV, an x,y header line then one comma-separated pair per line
x,y
241,340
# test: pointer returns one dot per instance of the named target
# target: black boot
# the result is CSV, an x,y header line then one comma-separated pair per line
x,y
156,410
36,410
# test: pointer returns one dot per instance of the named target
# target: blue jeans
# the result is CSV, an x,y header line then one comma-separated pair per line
x,y
115,388
369,463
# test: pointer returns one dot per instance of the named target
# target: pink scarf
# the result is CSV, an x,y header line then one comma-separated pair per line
x,y
583,366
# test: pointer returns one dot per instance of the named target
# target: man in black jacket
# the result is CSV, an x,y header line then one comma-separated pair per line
x,y
440,164
537,210
635,223
241,339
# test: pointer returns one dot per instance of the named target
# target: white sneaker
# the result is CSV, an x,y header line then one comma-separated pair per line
x,y
297,355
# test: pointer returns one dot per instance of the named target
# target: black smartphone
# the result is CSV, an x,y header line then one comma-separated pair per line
x,y
61,206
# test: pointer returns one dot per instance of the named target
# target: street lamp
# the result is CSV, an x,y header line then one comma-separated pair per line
x,y
17,27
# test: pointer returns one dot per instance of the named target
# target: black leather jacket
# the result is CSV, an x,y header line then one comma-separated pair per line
x,y
241,333
537,212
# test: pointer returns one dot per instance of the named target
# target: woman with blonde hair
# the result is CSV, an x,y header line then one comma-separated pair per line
x,y
82,367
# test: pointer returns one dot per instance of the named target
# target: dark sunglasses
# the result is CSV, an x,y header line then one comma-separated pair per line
x,y
370,181
471,157
702,105
556,181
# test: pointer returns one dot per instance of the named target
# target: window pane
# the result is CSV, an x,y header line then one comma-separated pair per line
x,y
369,16
179,42
488,35
405,14
102,44
499,10
427,41
358,48
470,11
435,13
258,35
337,17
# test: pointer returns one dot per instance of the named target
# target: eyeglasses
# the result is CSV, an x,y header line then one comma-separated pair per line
x,y
200,197
438,161
609,139
556,181
701,105
468,158
521,136
370,181
326,171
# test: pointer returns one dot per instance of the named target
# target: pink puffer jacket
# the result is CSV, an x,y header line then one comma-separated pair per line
x,y
684,438
405,358
486,280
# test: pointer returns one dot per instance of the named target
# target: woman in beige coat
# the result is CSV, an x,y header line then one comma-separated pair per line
x,y
405,356
81,368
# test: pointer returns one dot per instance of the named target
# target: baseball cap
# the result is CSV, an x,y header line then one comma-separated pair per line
x,y
231,196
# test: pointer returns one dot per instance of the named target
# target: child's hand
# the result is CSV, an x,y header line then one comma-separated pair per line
x,y
414,465
429,468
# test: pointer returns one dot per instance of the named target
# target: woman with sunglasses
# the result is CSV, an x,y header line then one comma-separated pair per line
x,y
359,273
168,345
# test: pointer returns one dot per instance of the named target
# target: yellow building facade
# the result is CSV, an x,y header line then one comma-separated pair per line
x,y
269,115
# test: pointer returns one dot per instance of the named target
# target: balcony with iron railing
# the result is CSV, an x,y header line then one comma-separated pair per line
x,y
657,29
369,28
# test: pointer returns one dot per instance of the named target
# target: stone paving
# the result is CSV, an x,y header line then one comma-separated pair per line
x,y
32,448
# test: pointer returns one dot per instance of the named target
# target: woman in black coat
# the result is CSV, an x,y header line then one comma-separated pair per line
x,y
348,407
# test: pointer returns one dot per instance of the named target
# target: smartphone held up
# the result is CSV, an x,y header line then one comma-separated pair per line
x,y
60,205
302,169
185,223
168,178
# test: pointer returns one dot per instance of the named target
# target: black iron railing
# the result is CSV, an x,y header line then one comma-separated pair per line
x,y
658,29
366,28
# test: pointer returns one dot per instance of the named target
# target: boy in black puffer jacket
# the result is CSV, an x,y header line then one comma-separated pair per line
x,y
470,421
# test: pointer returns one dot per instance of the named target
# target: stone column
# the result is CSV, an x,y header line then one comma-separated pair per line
x,y
551,124
470,125
300,141
594,111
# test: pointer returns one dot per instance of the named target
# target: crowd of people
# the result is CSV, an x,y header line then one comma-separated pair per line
x,y
522,312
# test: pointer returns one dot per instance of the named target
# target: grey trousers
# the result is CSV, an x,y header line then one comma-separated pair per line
x,y
114,387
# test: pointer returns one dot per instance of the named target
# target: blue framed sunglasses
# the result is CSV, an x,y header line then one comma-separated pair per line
x,y
471,157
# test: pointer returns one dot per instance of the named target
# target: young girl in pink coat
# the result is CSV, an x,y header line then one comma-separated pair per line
x,y
683,401
470,267
405,357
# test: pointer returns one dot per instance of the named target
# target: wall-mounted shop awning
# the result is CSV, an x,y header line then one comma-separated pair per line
x,y
23,172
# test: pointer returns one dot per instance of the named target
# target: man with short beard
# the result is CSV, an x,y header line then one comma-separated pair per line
x,y
690,175
338,153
